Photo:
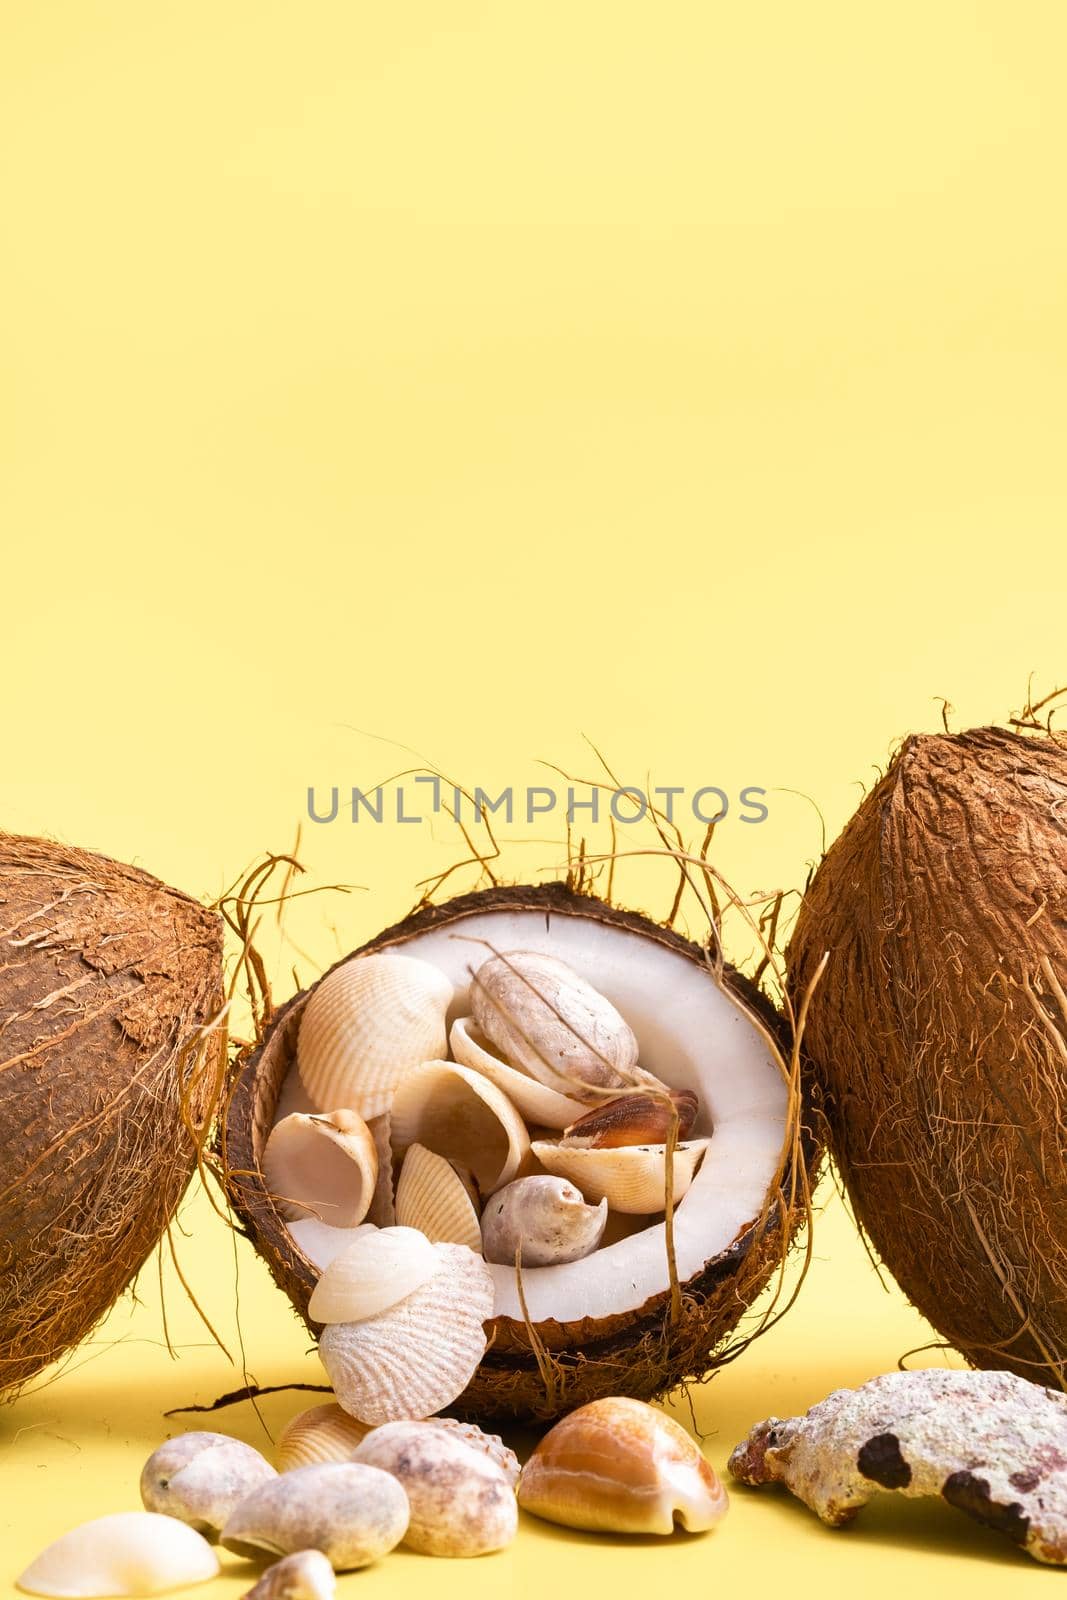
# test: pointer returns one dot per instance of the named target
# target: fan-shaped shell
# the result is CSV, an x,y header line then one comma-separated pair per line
x,y
380,1268
432,1197
460,1115
417,1357
540,1105
323,1166
631,1179
321,1433
366,1024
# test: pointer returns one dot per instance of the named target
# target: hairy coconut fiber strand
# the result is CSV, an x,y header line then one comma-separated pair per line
x,y
106,976
938,1035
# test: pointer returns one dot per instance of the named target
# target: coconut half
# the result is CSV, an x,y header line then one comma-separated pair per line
x,y
601,1318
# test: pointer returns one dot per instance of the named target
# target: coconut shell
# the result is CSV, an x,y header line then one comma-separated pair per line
x,y
938,1035
106,976
638,1353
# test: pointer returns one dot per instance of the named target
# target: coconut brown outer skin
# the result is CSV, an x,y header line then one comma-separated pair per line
x,y
938,1043
105,974
630,1354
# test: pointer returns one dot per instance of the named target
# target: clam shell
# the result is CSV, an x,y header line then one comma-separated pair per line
x,y
379,1269
321,1243
352,1513
366,1024
200,1477
460,1115
324,1166
543,1217
462,1503
540,1105
631,1179
432,1197
129,1552
419,1356
634,1119
321,1433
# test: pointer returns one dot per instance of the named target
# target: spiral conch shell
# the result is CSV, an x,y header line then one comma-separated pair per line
x,y
321,1433
351,1513
128,1553
631,1178
460,1115
541,1106
432,1197
461,1501
547,1020
419,1356
379,1268
365,1025
323,1166
543,1221
200,1477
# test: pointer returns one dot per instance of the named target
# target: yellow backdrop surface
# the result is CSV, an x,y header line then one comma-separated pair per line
x,y
451,383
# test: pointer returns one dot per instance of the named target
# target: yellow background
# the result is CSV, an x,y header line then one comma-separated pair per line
x,y
476,377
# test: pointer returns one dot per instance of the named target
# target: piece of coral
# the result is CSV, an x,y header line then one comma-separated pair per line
x,y
990,1443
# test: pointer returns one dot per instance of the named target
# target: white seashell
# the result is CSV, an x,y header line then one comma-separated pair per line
x,y
631,1178
351,1513
551,1023
130,1552
382,1210
321,1243
461,1502
366,1024
200,1477
432,1197
460,1115
490,1444
381,1267
539,1104
324,1166
321,1433
307,1575
544,1217
419,1356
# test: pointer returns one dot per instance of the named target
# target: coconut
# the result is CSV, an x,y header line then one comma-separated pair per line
x,y
619,1320
938,1035
108,980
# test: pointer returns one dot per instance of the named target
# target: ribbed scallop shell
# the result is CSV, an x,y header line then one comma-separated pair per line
x,y
321,1433
539,1104
322,1166
460,1115
379,1269
432,1197
631,1179
366,1024
419,1356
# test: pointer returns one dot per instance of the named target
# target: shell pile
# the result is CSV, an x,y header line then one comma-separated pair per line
x,y
437,1143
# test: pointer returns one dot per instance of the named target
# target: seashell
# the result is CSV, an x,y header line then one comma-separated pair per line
x,y
631,1179
432,1197
321,1433
200,1477
324,1166
419,1356
351,1513
490,1444
382,1210
620,1466
320,1242
461,1501
540,1105
380,1268
552,1024
366,1024
130,1552
634,1119
544,1217
306,1575
460,1115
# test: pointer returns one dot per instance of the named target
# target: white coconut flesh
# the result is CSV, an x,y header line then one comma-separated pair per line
x,y
693,1035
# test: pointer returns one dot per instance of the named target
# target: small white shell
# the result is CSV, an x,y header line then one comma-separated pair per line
x,y
432,1197
321,1243
631,1178
321,1433
380,1268
306,1575
546,1019
539,1104
544,1216
200,1477
324,1166
490,1444
460,1115
461,1502
419,1356
352,1513
366,1024
130,1552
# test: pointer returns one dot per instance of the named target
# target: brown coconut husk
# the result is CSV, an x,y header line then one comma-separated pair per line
x,y
938,1035
539,1373
111,1061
